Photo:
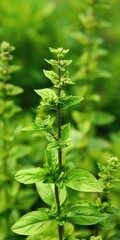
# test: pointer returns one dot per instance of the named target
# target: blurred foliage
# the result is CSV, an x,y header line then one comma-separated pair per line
x,y
32,26
36,25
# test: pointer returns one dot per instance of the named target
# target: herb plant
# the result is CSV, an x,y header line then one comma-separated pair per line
x,y
90,68
54,179
8,131
12,149
90,121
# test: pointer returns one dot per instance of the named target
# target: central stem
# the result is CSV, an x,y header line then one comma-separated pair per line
x,y
60,228
59,133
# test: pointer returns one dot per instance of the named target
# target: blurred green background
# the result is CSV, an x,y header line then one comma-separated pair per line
x,y
32,26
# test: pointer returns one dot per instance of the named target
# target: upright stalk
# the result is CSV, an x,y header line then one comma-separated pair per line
x,y
59,122
52,172
60,228
8,109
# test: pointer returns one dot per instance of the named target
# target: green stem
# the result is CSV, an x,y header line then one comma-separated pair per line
x,y
59,122
60,228
53,135
59,134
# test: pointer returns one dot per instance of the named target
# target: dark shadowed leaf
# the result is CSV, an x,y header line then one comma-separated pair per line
x,y
47,193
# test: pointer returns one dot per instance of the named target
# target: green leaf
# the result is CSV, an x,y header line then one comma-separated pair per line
x,y
49,97
51,157
32,223
62,65
12,90
9,109
32,127
65,63
49,137
49,234
43,236
52,76
98,143
99,237
84,215
114,210
32,175
58,50
47,193
65,79
40,124
19,151
46,94
115,184
55,50
81,37
82,180
53,62
52,145
69,101
101,118
65,132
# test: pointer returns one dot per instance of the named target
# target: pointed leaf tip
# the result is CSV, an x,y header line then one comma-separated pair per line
x,y
82,180
32,223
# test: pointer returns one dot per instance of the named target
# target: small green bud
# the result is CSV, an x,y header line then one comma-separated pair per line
x,y
96,238
113,163
60,50
5,45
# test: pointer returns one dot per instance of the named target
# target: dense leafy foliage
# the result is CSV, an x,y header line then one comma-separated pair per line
x,y
11,149
89,101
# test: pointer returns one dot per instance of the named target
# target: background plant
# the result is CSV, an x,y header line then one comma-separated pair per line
x,y
39,28
90,121
11,148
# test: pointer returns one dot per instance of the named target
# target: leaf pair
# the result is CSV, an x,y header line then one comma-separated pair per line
x,y
37,222
76,179
50,99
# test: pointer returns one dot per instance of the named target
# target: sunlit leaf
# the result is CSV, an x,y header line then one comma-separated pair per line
x,y
32,175
70,100
84,215
51,75
51,156
52,145
65,132
32,223
82,180
46,93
